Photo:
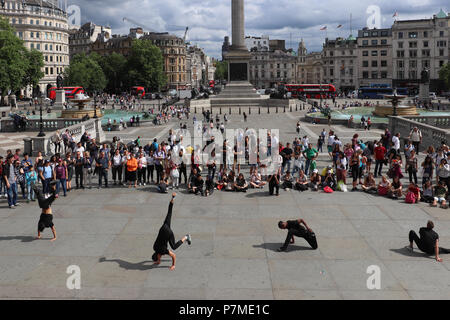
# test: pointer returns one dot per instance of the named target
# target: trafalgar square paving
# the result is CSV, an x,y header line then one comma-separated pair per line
x,y
105,236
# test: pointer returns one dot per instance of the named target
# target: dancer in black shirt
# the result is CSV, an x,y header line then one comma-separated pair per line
x,y
295,228
166,236
428,241
46,219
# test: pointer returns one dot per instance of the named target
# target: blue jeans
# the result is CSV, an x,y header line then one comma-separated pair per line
x,y
63,183
12,194
307,166
46,185
2,186
30,192
288,163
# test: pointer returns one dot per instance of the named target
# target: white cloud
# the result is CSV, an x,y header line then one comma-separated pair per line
x,y
210,20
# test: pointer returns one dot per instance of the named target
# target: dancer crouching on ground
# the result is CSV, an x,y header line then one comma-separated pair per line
x,y
295,228
46,219
428,241
166,236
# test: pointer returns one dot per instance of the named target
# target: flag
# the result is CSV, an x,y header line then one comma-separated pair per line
x,y
339,26
395,14
323,28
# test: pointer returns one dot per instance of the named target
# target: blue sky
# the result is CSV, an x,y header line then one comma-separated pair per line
x,y
210,20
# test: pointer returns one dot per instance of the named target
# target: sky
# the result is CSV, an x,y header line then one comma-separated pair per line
x,y
209,21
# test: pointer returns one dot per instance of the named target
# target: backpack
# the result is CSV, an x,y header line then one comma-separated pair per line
x,y
410,197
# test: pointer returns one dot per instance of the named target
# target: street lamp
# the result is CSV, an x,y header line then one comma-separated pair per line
x,y
95,105
41,124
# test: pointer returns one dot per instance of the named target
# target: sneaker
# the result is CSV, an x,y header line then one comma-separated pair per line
x,y
282,249
189,239
12,207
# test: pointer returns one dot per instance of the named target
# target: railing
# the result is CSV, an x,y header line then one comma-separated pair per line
x,y
435,121
33,125
431,135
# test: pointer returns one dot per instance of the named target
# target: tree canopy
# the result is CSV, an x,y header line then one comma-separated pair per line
x,y
444,74
86,72
221,70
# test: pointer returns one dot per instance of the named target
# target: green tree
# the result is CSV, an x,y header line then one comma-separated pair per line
x,y
33,72
145,66
13,59
444,74
114,67
86,72
221,70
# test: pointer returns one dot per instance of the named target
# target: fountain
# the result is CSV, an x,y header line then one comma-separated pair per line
x,y
396,109
80,111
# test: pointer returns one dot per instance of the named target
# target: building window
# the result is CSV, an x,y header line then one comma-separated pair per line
x,y
365,53
365,34
365,42
412,53
425,34
441,34
442,44
441,63
374,75
400,35
383,53
426,53
400,45
383,63
441,52
365,75
425,44
412,35
383,41
384,33
374,63
374,53
374,42
375,34
413,64
365,64
413,44
426,63
401,75
400,64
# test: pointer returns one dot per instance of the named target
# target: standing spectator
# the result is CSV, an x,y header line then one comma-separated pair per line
x,y
416,137
117,166
103,165
380,152
61,177
31,180
10,178
79,163
132,167
87,169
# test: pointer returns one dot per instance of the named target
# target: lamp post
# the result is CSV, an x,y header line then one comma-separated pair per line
x,y
95,105
41,124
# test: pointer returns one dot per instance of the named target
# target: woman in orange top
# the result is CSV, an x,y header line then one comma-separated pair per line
x,y
132,166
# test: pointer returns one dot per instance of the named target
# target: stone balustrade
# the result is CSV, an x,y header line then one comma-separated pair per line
x,y
431,135
32,125
435,121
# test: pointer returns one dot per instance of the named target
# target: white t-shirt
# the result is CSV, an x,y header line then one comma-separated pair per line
x,y
330,140
396,142
80,150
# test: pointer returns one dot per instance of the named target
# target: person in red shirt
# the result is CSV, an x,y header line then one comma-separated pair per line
x,y
380,152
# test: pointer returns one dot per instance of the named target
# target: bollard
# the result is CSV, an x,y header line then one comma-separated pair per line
x,y
268,110
220,110
290,108
296,107
284,109
195,110
259,110
229,111
249,110
239,110
277,109
203,110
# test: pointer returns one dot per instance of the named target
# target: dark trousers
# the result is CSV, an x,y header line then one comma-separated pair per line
x,y
413,237
117,173
159,172
150,170
102,173
183,172
142,175
416,146
378,167
412,174
79,177
272,187
310,237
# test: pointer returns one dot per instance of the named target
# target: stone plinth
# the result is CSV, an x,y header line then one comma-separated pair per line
x,y
60,99
79,114
424,93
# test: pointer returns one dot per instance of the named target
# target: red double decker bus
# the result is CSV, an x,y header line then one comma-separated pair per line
x,y
138,91
311,91
70,92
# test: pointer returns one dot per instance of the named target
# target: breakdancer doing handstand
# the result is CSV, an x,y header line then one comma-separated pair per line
x,y
165,236
46,219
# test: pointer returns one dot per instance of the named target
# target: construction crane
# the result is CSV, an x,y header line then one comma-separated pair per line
x,y
138,24
150,29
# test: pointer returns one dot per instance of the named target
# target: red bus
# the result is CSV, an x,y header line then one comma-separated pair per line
x,y
70,92
138,91
212,84
311,91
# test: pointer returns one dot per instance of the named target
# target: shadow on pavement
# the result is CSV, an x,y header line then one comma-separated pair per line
x,y
142,266
406,252
275,246
21,238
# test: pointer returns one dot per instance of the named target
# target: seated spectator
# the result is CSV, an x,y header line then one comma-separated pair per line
x,y
414,189
439,195
428,193
395,192
231,179
315,180
301,183
191,181
256,181
384,186
198,185
287,181
240,185
330,180
163,184
325,172
369,184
